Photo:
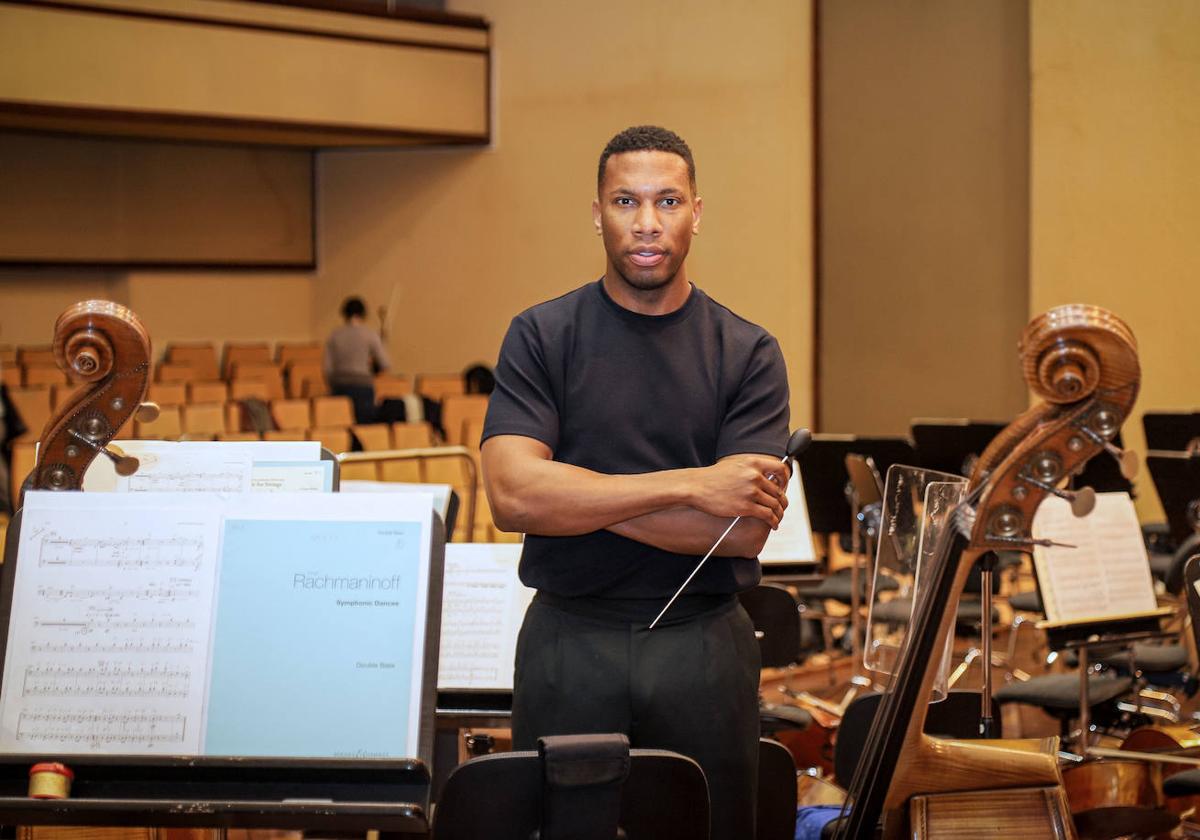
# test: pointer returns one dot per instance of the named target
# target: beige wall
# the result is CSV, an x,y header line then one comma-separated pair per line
x,y
924,211
461,241
1116,181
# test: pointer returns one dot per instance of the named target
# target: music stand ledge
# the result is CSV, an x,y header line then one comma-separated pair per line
x,y
388,796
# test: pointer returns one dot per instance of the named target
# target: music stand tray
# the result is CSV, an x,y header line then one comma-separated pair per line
x,y
945,445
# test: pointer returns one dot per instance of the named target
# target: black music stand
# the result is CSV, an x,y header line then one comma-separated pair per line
x,y
946,445
388,795
1176,477
1171,430
823,470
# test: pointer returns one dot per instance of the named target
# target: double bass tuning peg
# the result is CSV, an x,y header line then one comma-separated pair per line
x,y
147,412
1127,459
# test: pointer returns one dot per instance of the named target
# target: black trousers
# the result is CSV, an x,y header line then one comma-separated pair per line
x,y
690,687
363,398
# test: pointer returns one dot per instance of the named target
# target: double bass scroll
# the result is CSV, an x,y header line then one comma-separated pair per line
x,y
104,346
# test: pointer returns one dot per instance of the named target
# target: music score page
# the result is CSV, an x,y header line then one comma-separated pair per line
x,y
276,624
1106,575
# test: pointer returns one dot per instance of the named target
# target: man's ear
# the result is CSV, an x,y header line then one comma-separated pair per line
x,y
697,210
596,215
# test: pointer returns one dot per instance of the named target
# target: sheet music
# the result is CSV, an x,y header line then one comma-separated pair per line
x,y
291,476
196,466
1107,575
440,492
792,541
483,605
199,624
108,636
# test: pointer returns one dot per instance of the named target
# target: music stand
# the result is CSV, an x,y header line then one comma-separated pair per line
x,y
1176,477
945,445
1171,430
388,795
823,470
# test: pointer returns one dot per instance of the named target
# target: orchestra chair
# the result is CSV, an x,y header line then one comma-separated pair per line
x,y
257,353
333,411
34,376
169,393
208,391
201,356
241,436
10,375
412,435
8,355
776,792
203,421
285,434
575,787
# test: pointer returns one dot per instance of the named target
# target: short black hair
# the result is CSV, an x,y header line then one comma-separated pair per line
x,y
353,307
647,138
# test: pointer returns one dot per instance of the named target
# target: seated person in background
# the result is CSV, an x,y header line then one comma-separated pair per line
x,y
478,379
353,355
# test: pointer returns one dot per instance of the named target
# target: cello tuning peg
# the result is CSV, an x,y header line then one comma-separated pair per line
x,y
147,412
1126,459
1083,501
126,465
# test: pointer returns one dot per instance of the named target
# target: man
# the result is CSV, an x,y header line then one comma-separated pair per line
x,y
632,419
353,355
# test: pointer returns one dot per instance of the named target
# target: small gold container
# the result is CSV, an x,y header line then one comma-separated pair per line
x,y
50,780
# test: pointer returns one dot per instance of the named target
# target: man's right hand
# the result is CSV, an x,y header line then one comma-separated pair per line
x,y
739,486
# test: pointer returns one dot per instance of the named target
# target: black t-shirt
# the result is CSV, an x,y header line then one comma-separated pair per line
x,y
618,392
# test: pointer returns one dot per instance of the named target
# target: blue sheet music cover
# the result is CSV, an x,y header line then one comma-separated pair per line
x,y
330,607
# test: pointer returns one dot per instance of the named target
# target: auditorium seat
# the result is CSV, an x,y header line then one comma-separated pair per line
x,y
252,353
168,426
10,375
201,356
176,372
473,433
33,405
390,386
284,434
238,436
266,372
438,385
332,411
288,352
36,375
305,379
372,436
167,393
8,355
334,438
24,459
38,354
291,414
203,421
457,409
208,391
247,389
412,435
59,394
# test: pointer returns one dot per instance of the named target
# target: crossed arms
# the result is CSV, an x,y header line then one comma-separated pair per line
x,y
682,510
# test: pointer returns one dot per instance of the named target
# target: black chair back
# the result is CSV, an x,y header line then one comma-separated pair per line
x,y
776,792
665,797
776,617
1191,574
